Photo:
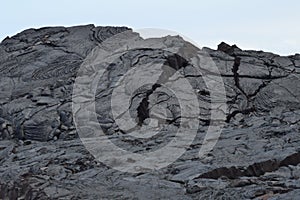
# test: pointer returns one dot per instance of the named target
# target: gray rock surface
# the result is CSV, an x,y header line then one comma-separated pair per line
x,y
41,157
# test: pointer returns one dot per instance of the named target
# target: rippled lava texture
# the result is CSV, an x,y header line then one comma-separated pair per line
x,y
41,156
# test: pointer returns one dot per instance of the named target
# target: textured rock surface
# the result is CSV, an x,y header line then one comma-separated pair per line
x,y
41,156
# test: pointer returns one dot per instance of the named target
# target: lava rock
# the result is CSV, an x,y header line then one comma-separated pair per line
x,y
42,157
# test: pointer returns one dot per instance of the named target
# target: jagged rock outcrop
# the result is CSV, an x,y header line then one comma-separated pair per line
x,y
41,157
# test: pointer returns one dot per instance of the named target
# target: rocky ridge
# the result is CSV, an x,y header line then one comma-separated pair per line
x,y
256,157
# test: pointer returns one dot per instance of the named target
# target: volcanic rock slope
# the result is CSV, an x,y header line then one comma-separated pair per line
x,y
41,156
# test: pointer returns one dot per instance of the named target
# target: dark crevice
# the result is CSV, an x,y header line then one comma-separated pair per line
x,y
143,108
174,63
235,69
264,77
256,169
237,76
234,113
260,87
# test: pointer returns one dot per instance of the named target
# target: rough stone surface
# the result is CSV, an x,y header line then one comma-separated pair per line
x,y
41,156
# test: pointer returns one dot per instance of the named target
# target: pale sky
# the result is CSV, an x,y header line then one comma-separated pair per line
x,y
269,25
